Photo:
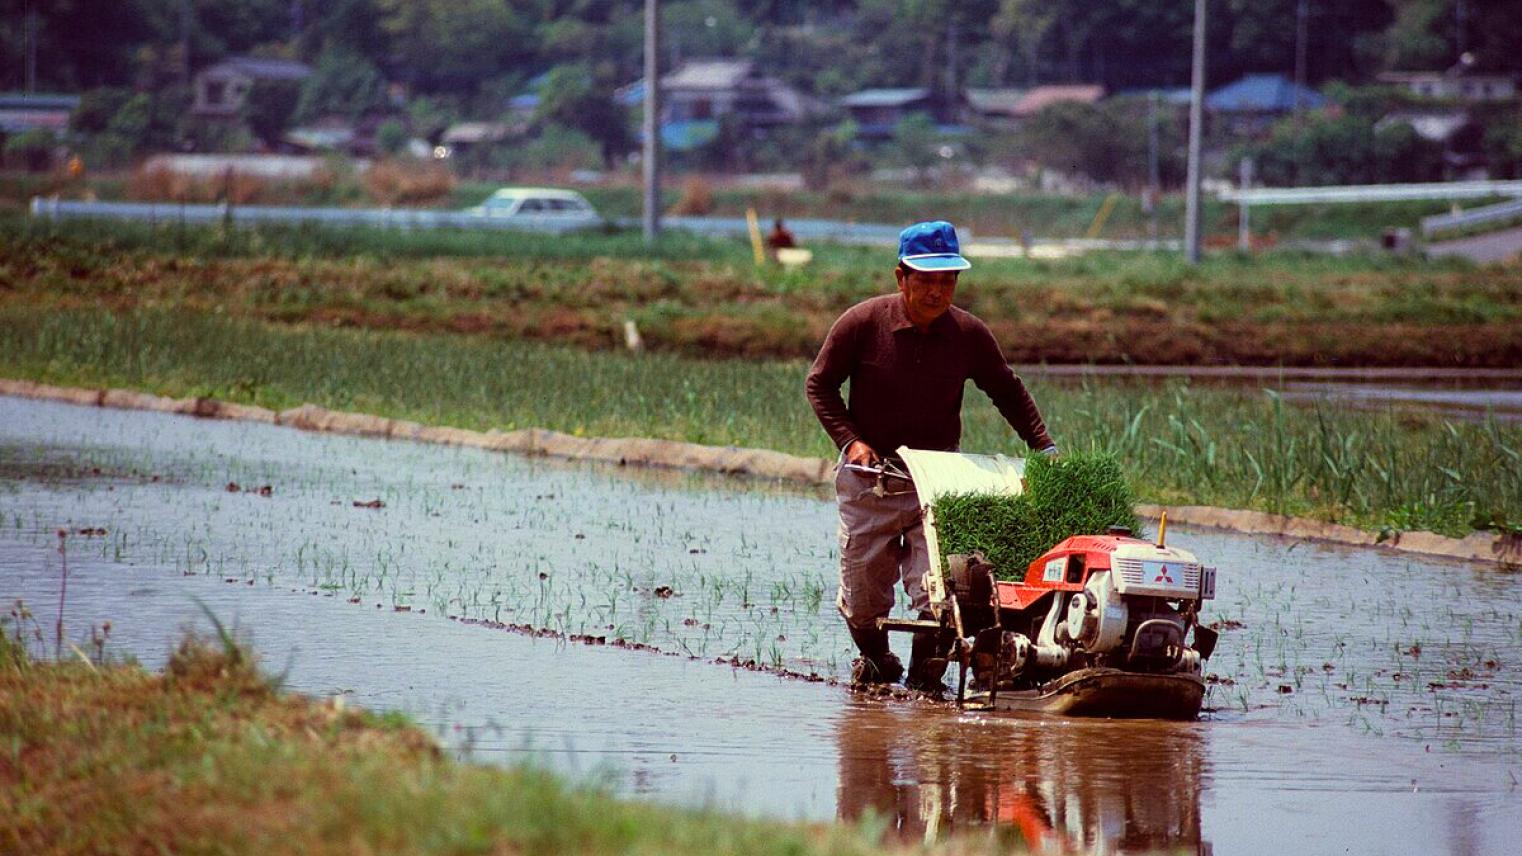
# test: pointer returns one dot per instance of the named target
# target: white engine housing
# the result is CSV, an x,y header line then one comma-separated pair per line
x,y
1147,569
1097,616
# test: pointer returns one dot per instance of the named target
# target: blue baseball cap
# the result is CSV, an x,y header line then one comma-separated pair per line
x,y
931,246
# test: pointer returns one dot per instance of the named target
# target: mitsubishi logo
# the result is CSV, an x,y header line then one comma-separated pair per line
x,y
1163,576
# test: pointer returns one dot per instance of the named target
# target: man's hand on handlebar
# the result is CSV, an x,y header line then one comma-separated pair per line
x,y
862,455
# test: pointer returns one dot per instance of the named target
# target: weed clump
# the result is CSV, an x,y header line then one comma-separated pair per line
x,y
201,665
1078,494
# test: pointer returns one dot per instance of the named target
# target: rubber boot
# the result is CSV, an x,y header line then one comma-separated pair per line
x,y
877,664
926,665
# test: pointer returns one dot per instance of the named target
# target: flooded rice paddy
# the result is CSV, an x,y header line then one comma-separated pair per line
x,y
1363,701
1470,394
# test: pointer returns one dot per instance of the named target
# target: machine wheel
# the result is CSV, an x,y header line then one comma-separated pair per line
x,y
972,579
971,583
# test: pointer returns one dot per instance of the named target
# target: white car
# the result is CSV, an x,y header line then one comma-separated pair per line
x,y
539,208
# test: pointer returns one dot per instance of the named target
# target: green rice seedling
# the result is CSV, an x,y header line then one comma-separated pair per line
x,y
1081,493
1001,527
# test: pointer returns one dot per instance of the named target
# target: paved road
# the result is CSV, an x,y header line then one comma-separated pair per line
x,y
1502,246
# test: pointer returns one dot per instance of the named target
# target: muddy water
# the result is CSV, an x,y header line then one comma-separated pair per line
x,y
1442,399
1473,394
1366,703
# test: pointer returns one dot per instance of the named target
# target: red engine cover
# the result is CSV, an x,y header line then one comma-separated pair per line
x,y
1065,567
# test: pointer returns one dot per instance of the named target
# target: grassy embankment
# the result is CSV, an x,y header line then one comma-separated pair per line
x,y
1179,443
706,298
211,757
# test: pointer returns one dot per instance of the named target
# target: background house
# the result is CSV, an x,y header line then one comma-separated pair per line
x,y
700,93
1041,97
464,137
1461,137
994,107
20,112
1251,104
1456,86
706,89
221,90
877,112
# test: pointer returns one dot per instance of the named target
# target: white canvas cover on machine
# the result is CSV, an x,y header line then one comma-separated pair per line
x,y
939,474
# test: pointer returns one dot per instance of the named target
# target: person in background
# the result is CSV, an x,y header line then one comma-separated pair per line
x,y
780,238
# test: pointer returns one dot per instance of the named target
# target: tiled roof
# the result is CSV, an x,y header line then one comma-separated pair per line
x,y
261,68
708,74
884,97
1045,96
995,100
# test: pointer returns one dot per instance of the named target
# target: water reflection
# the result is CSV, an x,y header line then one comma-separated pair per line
x,y
1060,786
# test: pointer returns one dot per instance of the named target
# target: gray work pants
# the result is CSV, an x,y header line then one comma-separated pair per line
x,y
882,541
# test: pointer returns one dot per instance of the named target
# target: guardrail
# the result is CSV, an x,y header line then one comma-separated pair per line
x,y
385,218
1473,217
839,231
412,218
1373,192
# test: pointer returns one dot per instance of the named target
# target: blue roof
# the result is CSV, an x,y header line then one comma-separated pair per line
x,y
1262,93
632,95
884,97
262,68
689,135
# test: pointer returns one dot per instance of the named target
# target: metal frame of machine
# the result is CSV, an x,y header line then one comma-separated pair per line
x,y
1097,626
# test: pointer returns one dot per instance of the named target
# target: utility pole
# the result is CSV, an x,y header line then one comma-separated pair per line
x,y
1154,173
1461,26
1196,121
951,71
29,33
651,161
1302,14
185,22
1244,225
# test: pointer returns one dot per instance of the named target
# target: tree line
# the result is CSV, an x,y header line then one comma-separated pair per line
x,y
427,63
465,50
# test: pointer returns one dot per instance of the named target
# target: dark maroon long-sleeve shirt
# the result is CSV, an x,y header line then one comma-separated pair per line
x,y
906,384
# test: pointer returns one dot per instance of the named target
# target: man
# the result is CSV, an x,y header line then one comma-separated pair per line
x,y
907,356
781,237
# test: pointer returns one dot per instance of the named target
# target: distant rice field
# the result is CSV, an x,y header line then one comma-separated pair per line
x,y
707,297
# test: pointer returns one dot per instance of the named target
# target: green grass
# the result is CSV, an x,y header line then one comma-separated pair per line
x,y
210,757
1178,443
